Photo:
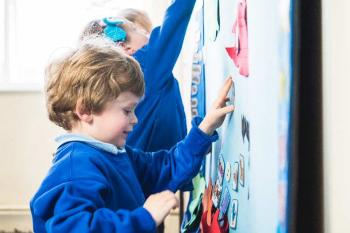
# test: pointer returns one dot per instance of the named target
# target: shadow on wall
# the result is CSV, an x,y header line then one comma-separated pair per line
x,y
15,231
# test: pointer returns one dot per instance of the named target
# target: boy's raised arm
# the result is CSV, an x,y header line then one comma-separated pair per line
x,y
171,169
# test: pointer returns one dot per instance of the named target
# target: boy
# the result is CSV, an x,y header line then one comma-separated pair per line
x,y
96,183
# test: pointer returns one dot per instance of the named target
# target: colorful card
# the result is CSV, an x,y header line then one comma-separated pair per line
x,y
221,169
228,171
241,170
234,213
216,194
218,183
235,172
224,204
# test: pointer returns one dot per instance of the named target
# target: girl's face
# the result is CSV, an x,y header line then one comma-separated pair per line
x,y
116,121
137,40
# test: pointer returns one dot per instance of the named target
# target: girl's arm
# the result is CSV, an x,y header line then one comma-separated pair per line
x,y
165,44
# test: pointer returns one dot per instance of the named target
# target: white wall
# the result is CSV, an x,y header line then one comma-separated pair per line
x,y
26,147
336,109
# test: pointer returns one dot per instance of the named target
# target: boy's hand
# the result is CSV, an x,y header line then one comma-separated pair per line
x,y
216,114
160,204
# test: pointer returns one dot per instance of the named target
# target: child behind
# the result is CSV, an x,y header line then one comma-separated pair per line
x,y
161,114
139,18
96,183
120,30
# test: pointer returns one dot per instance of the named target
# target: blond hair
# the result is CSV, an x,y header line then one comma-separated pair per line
x,y
138,17
93,74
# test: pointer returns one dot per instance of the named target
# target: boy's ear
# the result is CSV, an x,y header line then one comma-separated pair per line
x,y
82,114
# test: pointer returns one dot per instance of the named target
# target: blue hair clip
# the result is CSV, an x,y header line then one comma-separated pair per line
x,y
113,31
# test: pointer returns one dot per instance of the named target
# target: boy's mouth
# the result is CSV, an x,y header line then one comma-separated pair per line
x,y
127,132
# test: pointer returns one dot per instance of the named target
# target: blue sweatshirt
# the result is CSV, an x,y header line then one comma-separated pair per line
x,y
161,116
94,187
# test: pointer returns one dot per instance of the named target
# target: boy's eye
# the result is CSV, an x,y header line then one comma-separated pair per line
x,y
126,111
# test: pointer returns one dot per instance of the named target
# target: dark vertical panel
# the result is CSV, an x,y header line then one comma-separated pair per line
x,y
307,160
293,142
182,208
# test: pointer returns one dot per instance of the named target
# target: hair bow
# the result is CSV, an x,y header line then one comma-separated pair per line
x,y
113,31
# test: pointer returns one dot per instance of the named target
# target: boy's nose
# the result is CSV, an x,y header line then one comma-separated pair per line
x,y
134,119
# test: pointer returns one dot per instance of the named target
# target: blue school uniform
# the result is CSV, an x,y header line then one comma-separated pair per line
x,y
161,116
95,187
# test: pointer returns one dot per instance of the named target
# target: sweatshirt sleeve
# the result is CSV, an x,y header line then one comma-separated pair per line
x,y
171,169
73,207
165,44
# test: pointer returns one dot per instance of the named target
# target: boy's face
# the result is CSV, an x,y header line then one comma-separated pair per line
x,y
117,120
